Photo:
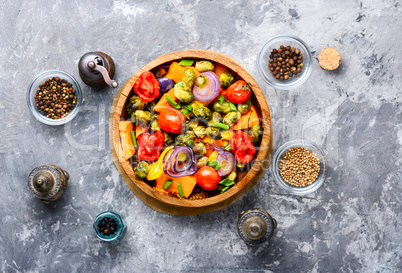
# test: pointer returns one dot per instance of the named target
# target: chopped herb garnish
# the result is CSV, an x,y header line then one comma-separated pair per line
x,y
172,102
227,182
167,184
188,107
220,99
180,190
179,84
133,119
227,148
186,62
214,164
134,139
221,125
232,106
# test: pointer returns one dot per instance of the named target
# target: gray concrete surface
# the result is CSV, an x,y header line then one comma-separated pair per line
x,y
351,224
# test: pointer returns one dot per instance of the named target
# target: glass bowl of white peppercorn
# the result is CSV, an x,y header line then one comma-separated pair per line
x,y
299,167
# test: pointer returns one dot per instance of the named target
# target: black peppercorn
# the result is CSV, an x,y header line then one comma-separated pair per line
x,y
285,62
107,226
51,94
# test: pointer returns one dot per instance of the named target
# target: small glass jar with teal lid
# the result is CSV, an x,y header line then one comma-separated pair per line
x,y
109,226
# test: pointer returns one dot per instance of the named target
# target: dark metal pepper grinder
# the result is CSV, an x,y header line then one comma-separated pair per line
x,y
48,182
97,69
255,226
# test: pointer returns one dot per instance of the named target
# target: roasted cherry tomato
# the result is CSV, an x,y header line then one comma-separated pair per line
x,y
150,146
208,178
242,147
238,92
171,120
146,87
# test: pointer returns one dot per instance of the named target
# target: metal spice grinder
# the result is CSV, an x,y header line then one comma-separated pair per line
x,y
97,69
48,182
255,226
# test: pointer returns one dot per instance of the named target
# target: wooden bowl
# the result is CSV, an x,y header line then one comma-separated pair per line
x,y
172,205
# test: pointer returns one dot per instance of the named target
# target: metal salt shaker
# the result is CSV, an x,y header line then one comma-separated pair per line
x,y
48,182
255,226
97,69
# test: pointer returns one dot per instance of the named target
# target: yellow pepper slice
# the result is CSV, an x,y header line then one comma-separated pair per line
x,y
226,135
125,128
213,156
156,168
207,139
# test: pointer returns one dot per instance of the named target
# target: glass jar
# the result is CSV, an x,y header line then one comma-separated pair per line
x,y
121,226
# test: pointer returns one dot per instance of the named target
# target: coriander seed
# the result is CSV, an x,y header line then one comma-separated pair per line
x,y
299,166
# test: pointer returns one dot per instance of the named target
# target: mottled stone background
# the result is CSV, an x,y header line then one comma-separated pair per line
x,y
351,224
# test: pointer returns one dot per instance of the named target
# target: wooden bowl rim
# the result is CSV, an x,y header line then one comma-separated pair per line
x,y
264,148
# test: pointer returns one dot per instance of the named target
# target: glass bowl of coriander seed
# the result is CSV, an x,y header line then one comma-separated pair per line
x,y
299,167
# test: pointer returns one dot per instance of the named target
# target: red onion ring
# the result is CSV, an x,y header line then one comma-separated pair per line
x,y
229,159
171,162
210,91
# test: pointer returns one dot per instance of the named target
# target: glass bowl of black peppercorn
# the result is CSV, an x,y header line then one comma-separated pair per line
x,y
109,226
284,62
54,97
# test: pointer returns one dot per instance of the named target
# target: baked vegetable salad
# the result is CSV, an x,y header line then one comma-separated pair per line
x,y
190,128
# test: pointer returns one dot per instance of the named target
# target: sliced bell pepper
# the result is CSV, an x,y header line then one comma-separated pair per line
x,y
244,122
210,150
176,71
220,69
140,129
125,128
156,168
213,156
227,134
163,103
187,184
217,142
